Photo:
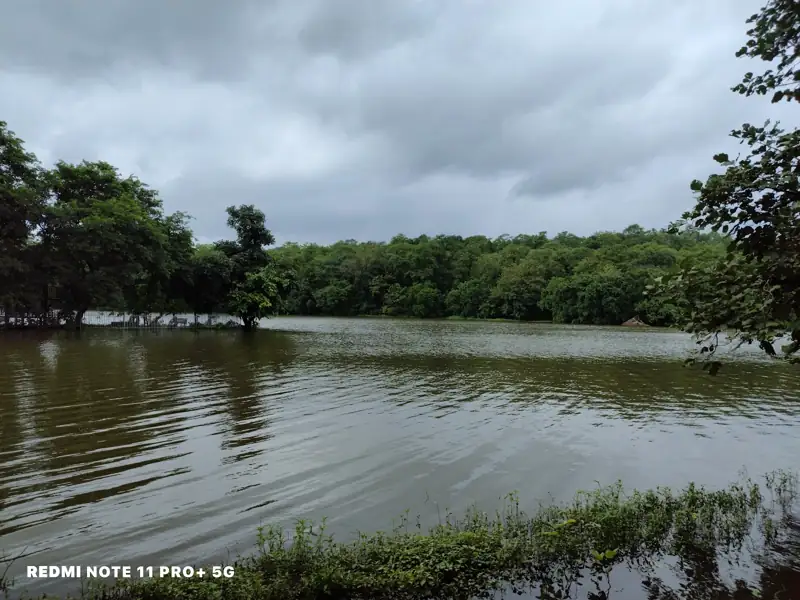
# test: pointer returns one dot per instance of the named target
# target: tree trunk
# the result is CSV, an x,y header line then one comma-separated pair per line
x,y
79,318
45,308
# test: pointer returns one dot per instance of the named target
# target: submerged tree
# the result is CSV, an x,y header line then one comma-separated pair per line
x,y
254,283
105,237
258,296
753,291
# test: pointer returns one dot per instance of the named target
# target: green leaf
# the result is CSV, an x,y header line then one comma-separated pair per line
x,y
566,523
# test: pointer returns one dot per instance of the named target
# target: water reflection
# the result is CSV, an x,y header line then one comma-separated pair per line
x,y
249,368
633,389
701,577
83,413
149,446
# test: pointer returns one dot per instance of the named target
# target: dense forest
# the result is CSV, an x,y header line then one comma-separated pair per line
x,y
599,279
81,236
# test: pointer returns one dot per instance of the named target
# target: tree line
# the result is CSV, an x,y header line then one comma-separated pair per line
x,y
599,279
81,236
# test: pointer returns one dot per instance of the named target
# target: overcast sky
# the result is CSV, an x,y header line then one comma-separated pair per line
x,y
366,118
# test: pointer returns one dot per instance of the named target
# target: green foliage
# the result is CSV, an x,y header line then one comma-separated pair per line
x,y
21,198
599,279
82,236
240,274
753,291
103,241
210,276
257,296
555,549
247,253
773,36
100,234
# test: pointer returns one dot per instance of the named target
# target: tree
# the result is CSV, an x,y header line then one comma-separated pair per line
x,y
163,282
248,252
258,296
483,278
518,292
176,278
105,242
254,283
209,280
100,233
20,215
468,298
753,292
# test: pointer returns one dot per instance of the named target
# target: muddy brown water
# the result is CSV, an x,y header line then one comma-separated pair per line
x,y
171,447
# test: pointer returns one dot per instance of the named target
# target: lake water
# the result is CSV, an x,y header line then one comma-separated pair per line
x,y
171,447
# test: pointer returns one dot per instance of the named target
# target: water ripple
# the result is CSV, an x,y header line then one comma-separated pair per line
x,y
172,447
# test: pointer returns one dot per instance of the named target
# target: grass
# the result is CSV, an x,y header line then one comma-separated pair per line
x,y
552,550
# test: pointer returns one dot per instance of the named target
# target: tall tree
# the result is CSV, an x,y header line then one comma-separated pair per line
x,y
255,285
248,251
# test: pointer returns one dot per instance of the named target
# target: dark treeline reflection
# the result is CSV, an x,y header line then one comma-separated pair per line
x,y
631,389
701,578
250,369
78,407
698,573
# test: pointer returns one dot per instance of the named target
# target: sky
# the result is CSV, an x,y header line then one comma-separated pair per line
x,y
362,119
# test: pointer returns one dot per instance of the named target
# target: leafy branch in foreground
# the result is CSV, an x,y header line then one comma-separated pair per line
x,y
754,291
553,551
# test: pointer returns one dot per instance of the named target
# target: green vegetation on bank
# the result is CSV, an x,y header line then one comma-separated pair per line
x,y
553,550
599,279
84,237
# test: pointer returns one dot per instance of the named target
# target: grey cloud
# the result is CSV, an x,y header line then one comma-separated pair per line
x,y
354,29
295,208
360,118
87,38
210,39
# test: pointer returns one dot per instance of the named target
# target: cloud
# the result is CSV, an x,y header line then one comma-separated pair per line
x,y
362,119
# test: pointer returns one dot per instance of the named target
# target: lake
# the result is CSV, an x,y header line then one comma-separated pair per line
x,y
171,447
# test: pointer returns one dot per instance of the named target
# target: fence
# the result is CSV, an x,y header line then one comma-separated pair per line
x,y
119,320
